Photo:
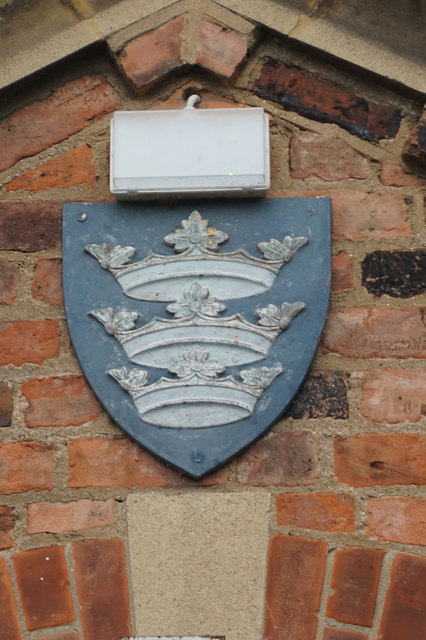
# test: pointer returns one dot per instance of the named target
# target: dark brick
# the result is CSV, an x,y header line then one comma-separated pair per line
x,y
30,226
6,405
7,522
323,395
415,147
399,274
318,99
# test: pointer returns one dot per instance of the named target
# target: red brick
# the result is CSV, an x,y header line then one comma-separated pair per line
x,y
415,147
392,175
47,281
315,98
342,634
7,522
30,226
220,50
23,341
404,613
394,395
6,404
26,466
293,591
57,517
355,579
322,512
100,573
342,272
69,109
366,332
9,627
281,459
325,157
72,167
43,584
397,520
381,459
9,276
59,402
322,395
103,462
70,635
150,56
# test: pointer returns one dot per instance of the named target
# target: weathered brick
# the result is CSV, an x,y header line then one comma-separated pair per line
x,y
30,226
9,276
59,402
392,175
380,459
405,604
68,635
57,517
69,109
342,634
6,404
24,341
7,522
26,466
281,458
366,332
72,167
100,573
220,50
322,512
342,272
394,395
355,579
293,591
47,281
399,274
397,519
44,589
9,627
103,462
150,56
318,99
415,147
323,395
325,157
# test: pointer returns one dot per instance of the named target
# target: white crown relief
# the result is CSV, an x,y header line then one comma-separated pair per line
x,y
163,278
196,398
231,339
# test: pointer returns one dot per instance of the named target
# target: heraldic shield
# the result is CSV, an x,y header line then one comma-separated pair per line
x,y
196,322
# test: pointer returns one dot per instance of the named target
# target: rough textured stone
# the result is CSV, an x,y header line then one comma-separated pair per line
x,y
9,276
381,459
392,175
397,520
72,167
323,395
43,584
293,590
9,627
26,466
7,522
315,98
152,55
342,272
415,147
24,341
393,395
59,402
281,459
6,404
399,274
68,110
405,604
30,226
355,579
47,281
322,512
365,332
220,50
325,157
58,517
100,573
342,634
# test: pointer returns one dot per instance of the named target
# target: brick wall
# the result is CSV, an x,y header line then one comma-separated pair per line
x,y
346,465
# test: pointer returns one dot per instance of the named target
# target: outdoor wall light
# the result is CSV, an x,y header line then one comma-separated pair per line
x,y
189,152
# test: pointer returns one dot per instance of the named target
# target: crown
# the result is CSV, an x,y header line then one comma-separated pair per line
x,y
197,397
163,278
196,323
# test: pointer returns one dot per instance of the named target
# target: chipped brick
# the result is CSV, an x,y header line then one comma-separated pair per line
x,y
325,157
394,395
220,50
